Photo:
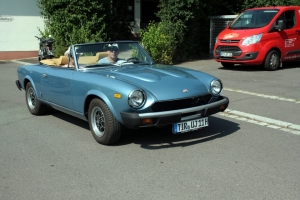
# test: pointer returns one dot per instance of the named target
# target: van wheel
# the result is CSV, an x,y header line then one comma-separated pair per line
x,y
227,65
272,61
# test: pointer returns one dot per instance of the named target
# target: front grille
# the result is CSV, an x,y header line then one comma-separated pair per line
x,y
180,103
228,48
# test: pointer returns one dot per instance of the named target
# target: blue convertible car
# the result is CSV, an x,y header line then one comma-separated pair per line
x,y
133,92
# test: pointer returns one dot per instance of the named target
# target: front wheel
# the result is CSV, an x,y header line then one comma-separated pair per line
x,y
272,60
104,126
227,65
34,106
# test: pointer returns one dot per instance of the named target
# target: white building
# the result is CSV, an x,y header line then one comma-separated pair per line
x,y
21,19
19,22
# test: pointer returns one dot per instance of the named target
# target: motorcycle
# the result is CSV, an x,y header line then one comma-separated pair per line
x,y
46,50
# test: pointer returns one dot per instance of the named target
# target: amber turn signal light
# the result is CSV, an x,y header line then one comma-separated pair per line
x,y
222,107
147,121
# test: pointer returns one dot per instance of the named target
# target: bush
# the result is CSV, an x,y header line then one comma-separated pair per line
x,y
72,21
159,45
182,34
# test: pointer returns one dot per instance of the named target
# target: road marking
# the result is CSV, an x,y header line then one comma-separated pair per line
x,y
263,95
263,121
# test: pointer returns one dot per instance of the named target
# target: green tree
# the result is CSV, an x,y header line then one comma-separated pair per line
x,y
78,21
186,24
157,44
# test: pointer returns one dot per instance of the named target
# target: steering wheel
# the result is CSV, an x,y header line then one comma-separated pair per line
x,y
132,59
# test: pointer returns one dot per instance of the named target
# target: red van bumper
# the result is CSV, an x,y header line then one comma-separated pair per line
x,y
249,55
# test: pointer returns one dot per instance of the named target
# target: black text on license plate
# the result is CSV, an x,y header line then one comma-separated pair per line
x,y
226,54
190,125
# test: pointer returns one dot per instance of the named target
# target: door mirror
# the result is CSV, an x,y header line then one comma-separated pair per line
x,y
279,25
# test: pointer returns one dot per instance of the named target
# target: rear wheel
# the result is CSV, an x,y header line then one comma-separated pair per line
x,y
104,126
227,65
272,60
34,106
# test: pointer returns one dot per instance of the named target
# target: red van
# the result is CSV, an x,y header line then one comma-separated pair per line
x,y
264,36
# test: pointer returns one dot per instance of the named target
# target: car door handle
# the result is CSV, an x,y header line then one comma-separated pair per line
x,y
298,31
45,75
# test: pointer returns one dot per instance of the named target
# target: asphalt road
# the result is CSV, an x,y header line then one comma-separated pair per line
x,y
250,152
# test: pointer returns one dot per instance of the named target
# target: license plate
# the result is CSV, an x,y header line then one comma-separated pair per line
x,y
225,54
191,125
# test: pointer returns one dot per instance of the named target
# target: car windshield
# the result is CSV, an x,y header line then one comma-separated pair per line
x,y
253,19
107,54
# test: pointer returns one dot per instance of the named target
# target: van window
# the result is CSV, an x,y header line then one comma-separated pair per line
x,y
289,18
253,19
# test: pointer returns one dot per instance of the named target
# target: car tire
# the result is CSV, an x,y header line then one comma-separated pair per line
x,y
272,61
227,65
34,106
104,126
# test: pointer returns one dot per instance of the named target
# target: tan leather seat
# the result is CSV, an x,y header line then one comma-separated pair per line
x,y
87,60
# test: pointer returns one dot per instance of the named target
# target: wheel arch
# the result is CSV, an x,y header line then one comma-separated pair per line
x,y
27,80
87,102
272,44
102,97
276,49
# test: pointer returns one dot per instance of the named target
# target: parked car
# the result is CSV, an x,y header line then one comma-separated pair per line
x,y
135,92
264,36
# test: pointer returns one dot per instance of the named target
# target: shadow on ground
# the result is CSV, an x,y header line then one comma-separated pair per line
x,y
161,138
285,66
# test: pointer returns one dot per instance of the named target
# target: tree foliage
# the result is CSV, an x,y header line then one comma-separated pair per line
x,y
157,44
186,23
182,34
77,21
180,20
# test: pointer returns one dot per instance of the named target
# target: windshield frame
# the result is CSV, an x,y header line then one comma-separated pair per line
x,y
87,54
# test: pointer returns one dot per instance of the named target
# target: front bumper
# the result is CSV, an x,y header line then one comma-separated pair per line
x,y
246,58
135,120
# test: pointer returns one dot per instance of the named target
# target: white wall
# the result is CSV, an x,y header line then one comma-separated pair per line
x,y
19,22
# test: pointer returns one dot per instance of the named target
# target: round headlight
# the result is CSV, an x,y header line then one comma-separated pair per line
x,y
136,98
216,87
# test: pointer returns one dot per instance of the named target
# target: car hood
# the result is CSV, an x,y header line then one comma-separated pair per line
x,y
234,34
164,81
